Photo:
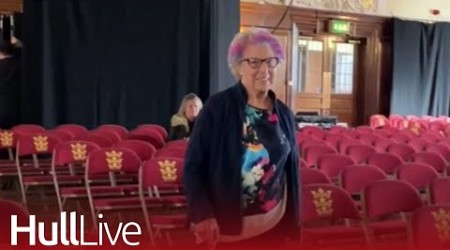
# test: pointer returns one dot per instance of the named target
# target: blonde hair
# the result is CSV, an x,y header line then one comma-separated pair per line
x,y
186,98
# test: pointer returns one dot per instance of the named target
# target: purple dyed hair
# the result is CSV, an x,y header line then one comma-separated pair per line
x,y
251,37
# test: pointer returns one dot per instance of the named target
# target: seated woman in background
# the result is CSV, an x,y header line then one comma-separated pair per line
x,y
182,122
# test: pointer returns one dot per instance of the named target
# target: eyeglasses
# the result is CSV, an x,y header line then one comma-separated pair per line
x,y
255,63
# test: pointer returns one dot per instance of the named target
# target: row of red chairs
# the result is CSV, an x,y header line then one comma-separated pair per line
x,y
329,215
418,124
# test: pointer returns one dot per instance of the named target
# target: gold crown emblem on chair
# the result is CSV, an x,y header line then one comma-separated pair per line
x,y
322,201
442,223
114,160
168,170
40,143
79,151
6,138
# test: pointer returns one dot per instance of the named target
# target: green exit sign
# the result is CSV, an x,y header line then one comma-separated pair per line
x,y
339,27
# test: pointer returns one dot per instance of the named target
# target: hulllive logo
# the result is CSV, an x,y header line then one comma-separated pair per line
x,y
123,230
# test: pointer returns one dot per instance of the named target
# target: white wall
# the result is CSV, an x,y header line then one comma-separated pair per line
x,y
407,9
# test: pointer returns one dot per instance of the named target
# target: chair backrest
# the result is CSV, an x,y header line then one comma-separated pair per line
x,y
28,129
177,144
102,141
333,164
326,201
151,136
105,160
385,161
158,172
143,149
154,127
433,159
171,152
381,144
359,153
441,149
439,191
419,175
418,144
429,227
111,135
432,135
118,129
388,197
41,143
337,129
364,129
72,152
345,143
401,137
309,129
8,208
313,176
354,178
377,121
404,151
368,138
312,153
75,129
61,134
334,138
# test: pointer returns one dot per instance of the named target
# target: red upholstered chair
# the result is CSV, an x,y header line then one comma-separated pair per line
x,y
438,191
8,141
333,164
38,144
74,129
151,136
378,121
114,162
323,206
432,135
359,153
368,138
345,143
154,127
381,144
162,178
401,137
420,175
28,129
404,151
62,135
312,153
435,160
100,140
171,152
354,178
8,208
109,134
313,176
440,149
429,227
385,161
306,143
337,129
385,203
309,129
69,159
333,139
143,149
118,129
418,144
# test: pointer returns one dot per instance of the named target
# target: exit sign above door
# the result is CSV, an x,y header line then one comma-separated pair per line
x,y
339,27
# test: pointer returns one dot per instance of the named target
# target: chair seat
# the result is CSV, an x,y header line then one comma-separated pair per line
x,y
171,221
388,227
97,191
125,203
48,180
174,200
333,232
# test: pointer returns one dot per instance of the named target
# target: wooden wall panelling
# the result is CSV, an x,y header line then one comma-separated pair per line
x,y
10,6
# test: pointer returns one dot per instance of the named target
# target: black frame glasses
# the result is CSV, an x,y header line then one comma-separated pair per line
x,y
255,63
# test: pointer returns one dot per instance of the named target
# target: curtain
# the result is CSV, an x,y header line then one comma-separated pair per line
x,y
421,71
123,62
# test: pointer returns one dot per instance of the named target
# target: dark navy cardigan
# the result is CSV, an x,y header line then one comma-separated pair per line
x,y
212,173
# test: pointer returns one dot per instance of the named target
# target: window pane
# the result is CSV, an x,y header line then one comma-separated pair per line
x,y
343,57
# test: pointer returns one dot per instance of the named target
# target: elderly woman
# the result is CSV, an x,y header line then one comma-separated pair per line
x,y
241,167
182,122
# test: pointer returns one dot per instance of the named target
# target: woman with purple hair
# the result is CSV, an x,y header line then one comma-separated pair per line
x,y
241,167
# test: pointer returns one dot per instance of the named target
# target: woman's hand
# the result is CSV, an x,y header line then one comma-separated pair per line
x,y
207,232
